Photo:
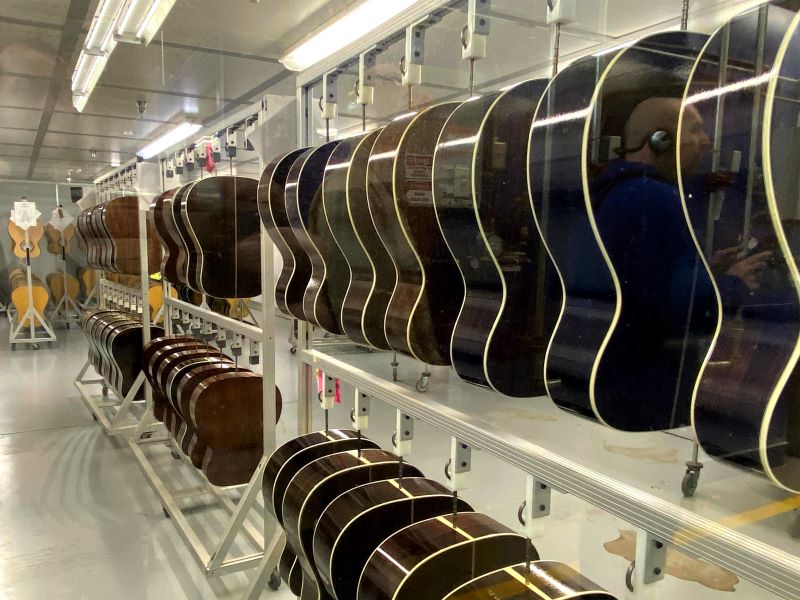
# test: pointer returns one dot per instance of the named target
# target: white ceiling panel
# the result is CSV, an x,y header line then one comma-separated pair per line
x,y
20,117
103,126
78,154
247,27
22,91
88,142
28,50
15,136
48,11
11,167
21,150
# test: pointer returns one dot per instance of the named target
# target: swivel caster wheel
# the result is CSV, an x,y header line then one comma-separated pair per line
x,y
293,350
691,478
174,454
423,383
274,581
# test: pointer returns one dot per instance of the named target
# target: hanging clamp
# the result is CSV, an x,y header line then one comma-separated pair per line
x,y
365,84
476,31
360,414
414,56
403,434
329,94
459,465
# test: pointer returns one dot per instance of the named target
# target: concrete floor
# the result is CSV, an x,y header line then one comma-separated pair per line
x,y
79,521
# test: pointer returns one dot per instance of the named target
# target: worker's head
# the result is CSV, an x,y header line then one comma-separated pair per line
x,y
650,135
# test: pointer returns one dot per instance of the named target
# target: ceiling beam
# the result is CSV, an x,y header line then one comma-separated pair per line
x,y
77,13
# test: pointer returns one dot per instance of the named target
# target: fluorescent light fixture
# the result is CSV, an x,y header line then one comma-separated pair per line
x,y
113,16
172,137
123,24
104,19
153,20
355,24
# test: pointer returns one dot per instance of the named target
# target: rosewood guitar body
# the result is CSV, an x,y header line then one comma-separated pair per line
x,y
745,405
272,209
307,217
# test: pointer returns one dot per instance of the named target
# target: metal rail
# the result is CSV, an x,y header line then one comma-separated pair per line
x,y
760,563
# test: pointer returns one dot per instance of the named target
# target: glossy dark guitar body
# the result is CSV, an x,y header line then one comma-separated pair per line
x,y
314,487
664,298
272,209
304,208
353,258
541,579
220,215
358,521
431,318
160,215
557,194
431,558
281,468
373,276
745,407
501,334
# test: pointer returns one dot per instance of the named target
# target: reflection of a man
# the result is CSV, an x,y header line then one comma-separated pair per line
x,y
639,213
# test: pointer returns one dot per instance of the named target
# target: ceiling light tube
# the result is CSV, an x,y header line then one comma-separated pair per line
x,y
153,20
171,138
96,22
366,17
128,14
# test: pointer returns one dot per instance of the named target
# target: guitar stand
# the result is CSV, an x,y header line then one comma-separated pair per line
x,y
217,561
71,311
211,551
16,334
91,299
692,475
114,413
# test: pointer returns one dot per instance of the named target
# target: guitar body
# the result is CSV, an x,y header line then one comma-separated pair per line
x,y
437,301
353,257
88,280
283,465
272,209
161,216
173,227
380,196
500,336
745,406
17,235
314,487
431,558
664,302
358,521
373,276
54,237
556,188
18,283
220,215
541,579
55,281
307,218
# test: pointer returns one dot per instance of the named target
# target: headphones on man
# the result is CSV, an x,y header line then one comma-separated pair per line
x,y
660,142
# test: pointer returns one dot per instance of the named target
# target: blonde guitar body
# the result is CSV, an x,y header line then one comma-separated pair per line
x,y
17,234
19,295
55,281
88,279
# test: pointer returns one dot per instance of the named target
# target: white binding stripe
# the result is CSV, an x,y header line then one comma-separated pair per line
x,y
587,201
774,212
